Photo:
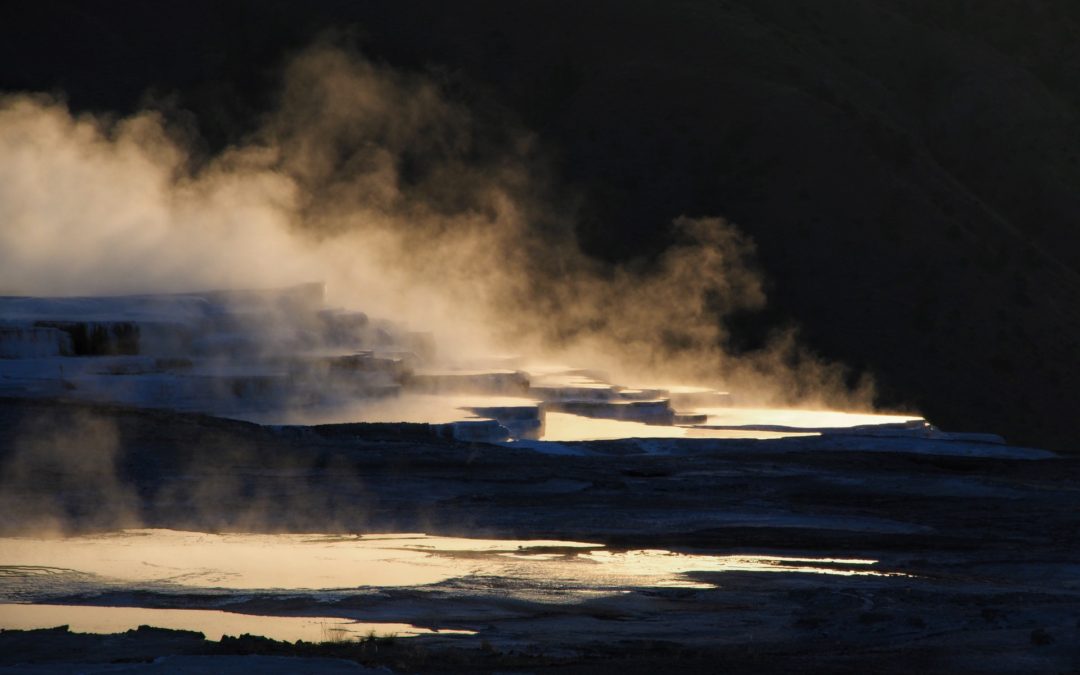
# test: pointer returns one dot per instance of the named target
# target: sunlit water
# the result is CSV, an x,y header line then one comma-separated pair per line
x,y
317,562
567,427
260,561
168,562
720,422
212,623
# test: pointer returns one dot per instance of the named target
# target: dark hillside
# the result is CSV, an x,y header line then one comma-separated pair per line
x,y
910,169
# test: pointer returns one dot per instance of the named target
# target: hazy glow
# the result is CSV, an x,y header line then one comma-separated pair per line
x,y
212,623
479,251
798,418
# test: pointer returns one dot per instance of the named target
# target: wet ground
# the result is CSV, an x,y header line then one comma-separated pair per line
x,y
838,552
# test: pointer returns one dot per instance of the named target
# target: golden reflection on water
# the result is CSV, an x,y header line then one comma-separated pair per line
x,y
668,567
212,623
568,427
320,562
250,561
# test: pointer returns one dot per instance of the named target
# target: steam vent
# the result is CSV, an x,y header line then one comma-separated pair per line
x,y
283,358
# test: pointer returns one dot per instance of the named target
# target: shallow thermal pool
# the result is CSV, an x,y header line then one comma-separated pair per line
x,y
212,623
798,418
172,559
166,564
566,427
721,422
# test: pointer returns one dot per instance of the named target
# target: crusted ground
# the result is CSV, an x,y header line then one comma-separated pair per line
x,y
981,550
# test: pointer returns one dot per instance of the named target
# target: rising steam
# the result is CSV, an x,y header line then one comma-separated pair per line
x,y
61,467
375,182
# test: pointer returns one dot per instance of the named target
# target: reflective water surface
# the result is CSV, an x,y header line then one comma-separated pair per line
x,y
232,566
211,623
168,558
259,561
567,427
719,422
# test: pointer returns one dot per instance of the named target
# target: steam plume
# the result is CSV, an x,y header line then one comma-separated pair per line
x,y
374,181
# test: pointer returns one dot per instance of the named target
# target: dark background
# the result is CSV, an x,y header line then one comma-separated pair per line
x,y
908,168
